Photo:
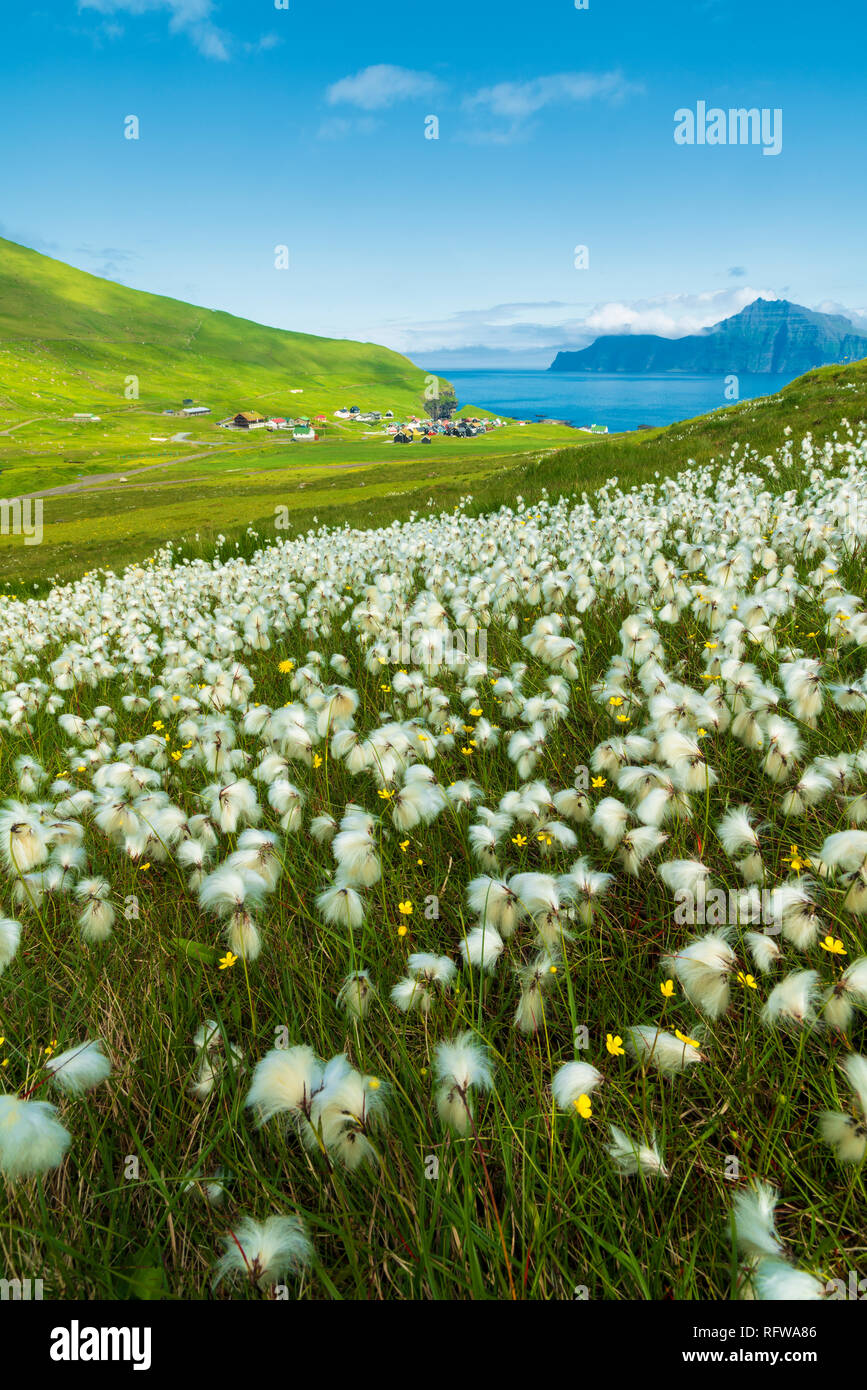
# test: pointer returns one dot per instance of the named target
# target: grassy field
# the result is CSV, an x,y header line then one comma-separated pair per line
x,y
242,484
70,342
182,693
245,481
522,1200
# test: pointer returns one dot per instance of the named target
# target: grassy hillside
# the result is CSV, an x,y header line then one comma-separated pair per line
x,y
371,482
68,341
461,1154
565,1103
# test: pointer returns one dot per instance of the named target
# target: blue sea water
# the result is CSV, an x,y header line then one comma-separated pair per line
x,y
620,401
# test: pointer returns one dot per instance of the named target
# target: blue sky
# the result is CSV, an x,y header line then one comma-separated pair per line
x,y
305,127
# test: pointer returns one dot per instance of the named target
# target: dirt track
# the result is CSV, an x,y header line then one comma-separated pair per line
x,y
101,479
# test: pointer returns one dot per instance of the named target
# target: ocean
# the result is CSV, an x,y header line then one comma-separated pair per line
x,y
620,401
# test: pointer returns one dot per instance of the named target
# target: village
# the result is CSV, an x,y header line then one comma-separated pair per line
x,y
382,424
306,428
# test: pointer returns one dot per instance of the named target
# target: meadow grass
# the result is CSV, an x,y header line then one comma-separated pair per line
x,y
528,1204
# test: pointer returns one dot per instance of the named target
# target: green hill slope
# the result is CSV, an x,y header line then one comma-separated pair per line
x,y
69,341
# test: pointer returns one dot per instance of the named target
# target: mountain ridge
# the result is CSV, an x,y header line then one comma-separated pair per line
x,y
773,336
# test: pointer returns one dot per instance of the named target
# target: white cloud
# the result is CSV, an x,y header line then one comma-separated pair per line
x,y
338,127
379,86
534,331
517,100
513,104
858,317
190,17
671,315
263,45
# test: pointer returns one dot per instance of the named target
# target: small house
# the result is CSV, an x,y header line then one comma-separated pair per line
x,y
303,433
248,420
196,410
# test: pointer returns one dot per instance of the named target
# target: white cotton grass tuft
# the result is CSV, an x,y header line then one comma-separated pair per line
x,y
23,841
232,804
793,906
265,1251
340,904
847,1134
583,888
32,1139
637,845
439,970
259,852
534,978
684,877
484,843
609,822
664,804
753,1213
764,950
654,1047
736,832
213,1190
632,1156
346,1110
845,995
10,939
537,893
846,850
494,901
230,888
462,1067
773,1280
97,915
482,947
79,1068
359,863
356,994
284,1083
791,1003
323,828
425,970
703,968
573,1080
213,1057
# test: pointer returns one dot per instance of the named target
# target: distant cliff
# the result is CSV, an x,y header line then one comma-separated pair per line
x,y
769,335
